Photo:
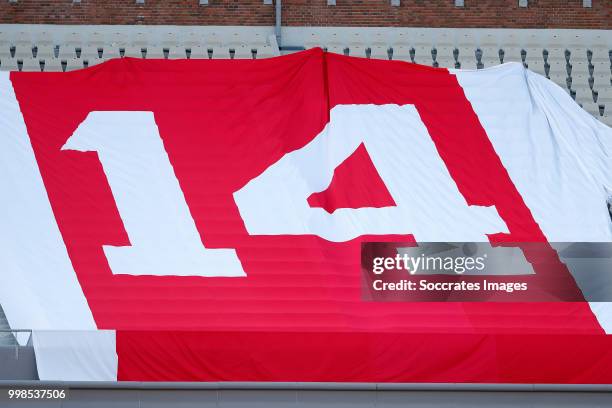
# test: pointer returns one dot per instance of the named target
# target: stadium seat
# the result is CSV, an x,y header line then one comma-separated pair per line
x,y
53,65
67,51
445,56
111,51
42,37
140,39
154,52
537,66
313,40
220,52
337,49
601,81
333,40
90,52
534,54
73,38
177,52
74,64
554,54
117,39
23,51
604,97
30,65
582,95
93,62
467,61
423,54
576,45
90,62
8,64
355,50
236,38
510,38
257,40
213,39
379,38
580,80
466,45
243,52
423,38
169,40
401,53
579,56
446,62
607,117
443,39
490,56
5,50
96,38
356,38
531,39
580,67
45,51
512,54
266,51
193,39
379,52
600,41
600,54
199,52
558,72
592,108
23,45
602,68
403,39
134,51
490,43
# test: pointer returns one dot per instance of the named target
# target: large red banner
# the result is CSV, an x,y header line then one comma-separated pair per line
x,y
296,313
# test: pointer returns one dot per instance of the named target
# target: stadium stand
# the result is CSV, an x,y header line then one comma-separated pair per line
x,y
580,61
566,42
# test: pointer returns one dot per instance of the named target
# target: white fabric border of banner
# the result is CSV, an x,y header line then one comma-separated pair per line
x,y
44,293
76,355
557,135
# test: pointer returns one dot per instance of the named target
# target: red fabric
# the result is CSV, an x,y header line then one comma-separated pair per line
x,y
347,189
298,315
365,356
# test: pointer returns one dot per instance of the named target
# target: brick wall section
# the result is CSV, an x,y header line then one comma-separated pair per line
x,y
366,13
153,12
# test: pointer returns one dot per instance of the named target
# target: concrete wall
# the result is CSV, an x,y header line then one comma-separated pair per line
x,y
363,396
